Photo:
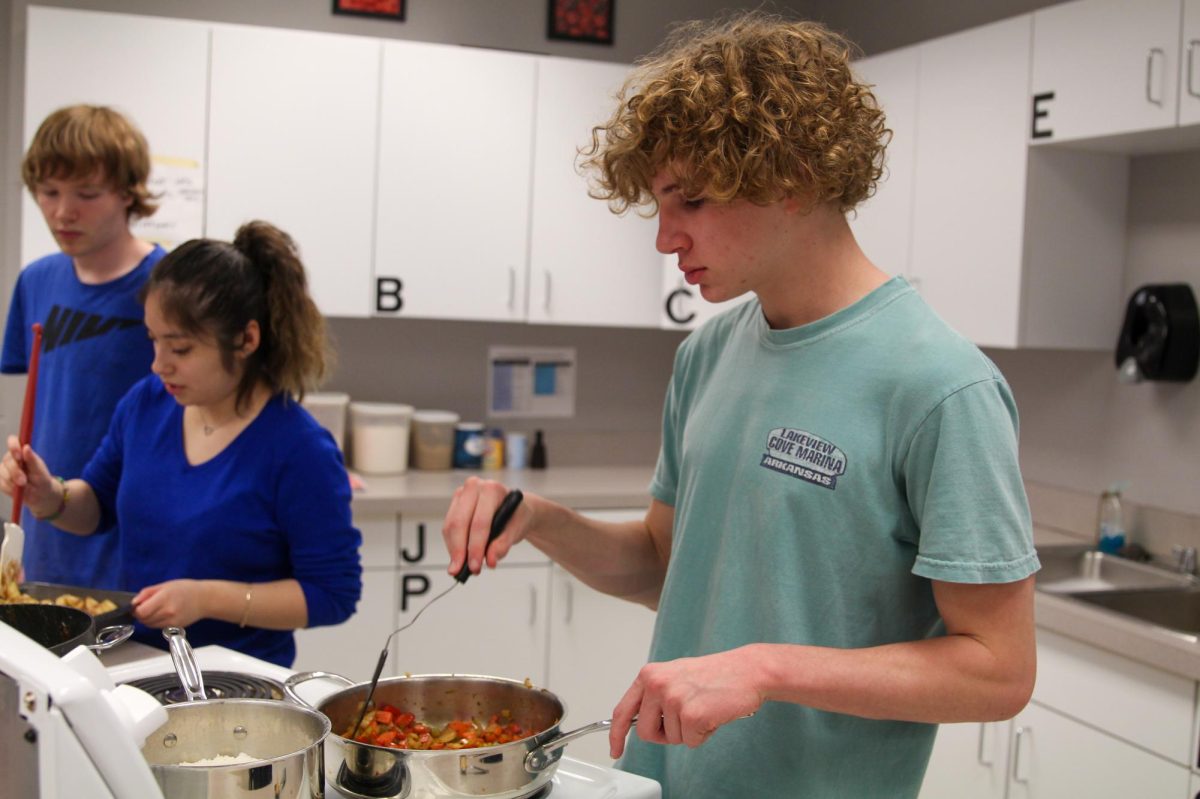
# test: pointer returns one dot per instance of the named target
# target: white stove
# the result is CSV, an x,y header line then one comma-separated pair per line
x,y
48,686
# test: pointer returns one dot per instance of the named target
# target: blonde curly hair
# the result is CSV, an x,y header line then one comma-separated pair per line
x,y
751,107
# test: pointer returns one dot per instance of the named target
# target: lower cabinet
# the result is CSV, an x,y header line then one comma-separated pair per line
x,y
1055,756
1099,725
968,760
597,644
526,619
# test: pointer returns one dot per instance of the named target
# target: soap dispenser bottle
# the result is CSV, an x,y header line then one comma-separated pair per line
x,y
1110,527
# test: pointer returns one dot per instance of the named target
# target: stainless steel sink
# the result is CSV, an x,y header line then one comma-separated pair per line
x,y
1082,571
1178,611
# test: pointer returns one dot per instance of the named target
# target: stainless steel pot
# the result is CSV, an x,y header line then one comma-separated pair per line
x,y
60,629
504,771
285,740
286,743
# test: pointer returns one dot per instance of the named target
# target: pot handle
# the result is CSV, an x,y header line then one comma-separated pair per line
x,y
190,676
289,685
108,637
540,759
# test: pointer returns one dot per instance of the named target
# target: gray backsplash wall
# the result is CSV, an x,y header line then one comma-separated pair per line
x,y
1080,428
620,384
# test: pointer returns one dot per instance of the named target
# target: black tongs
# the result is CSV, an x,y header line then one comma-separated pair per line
x,y
508,506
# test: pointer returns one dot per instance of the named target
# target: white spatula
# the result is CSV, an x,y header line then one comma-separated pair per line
x,y
14,537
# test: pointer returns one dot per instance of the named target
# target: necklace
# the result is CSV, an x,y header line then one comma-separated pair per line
x,y
209,429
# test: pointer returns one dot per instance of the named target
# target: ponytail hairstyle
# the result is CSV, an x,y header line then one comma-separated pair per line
x,y
213,289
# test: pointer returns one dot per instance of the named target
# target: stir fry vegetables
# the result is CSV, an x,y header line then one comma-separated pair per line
x,y
388,726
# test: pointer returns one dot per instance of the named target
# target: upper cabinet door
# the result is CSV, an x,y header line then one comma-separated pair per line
x,y
155,72
883,224
587,265
292,134
455,154
1189,84
968,211
1104,67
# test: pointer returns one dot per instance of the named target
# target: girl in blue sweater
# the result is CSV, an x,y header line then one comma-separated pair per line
x,y
231,503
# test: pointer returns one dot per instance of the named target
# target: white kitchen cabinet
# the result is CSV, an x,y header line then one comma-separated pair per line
x,y
1011,246
455,154
682,306
292,140
587,265
1144,706
970,186
598,643
883,224
1189,65
155,71
1055,756
1104,67
968,760
494,624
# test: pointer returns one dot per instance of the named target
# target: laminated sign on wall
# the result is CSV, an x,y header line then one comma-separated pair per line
x,y
531,381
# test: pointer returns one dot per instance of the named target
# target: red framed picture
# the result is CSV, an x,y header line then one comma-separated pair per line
x,y
581,20
379,9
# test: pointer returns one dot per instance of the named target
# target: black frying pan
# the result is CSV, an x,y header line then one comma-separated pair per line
x,y
61,629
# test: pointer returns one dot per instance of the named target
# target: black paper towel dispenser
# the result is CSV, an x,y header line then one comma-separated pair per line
x,y
1160,339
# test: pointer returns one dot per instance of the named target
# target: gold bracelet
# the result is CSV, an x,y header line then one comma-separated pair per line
x,y
62,503
246,609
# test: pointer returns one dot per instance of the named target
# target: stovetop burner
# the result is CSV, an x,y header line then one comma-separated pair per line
x,y
217,685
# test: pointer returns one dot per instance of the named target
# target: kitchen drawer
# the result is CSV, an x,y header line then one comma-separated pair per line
x,y
1129,700
421,546
379,535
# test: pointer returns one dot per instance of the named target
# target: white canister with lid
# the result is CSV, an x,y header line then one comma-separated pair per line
x,y
379,436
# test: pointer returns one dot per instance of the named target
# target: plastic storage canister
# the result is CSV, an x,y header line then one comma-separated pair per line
x,y
469,444
329,409
433,439
379,435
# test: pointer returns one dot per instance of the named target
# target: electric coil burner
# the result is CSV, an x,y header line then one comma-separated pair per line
x,y
217,684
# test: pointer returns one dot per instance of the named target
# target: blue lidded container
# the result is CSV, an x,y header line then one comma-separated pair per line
x,y
469,445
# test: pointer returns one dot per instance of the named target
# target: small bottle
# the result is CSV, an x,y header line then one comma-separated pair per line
x,y
493,453
537,455
1110,526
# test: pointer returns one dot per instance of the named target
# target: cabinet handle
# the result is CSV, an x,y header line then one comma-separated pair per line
x,y
1154,51
983,761
546,304
1019,774
512,288
533,603
1191,71
570,603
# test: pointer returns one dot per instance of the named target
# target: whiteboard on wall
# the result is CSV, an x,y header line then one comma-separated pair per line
x,y
155,71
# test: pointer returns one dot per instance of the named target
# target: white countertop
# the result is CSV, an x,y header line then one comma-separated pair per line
x,y
427,493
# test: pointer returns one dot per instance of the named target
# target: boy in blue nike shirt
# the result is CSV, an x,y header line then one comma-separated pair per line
x,y
87,168
838,543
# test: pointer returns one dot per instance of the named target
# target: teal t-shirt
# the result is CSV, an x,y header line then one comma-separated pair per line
x,y
821,477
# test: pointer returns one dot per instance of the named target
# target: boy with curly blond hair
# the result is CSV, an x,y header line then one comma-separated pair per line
x,y
838,544
87,169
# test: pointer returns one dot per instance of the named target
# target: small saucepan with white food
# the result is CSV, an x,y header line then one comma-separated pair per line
x,y
234,748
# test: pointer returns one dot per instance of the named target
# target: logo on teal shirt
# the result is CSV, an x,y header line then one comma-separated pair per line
x,y
803,455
